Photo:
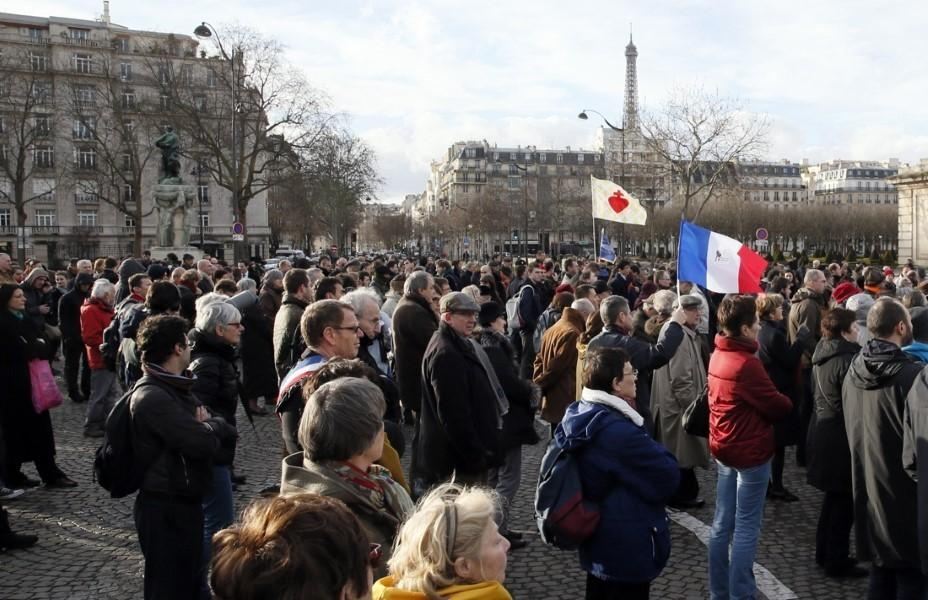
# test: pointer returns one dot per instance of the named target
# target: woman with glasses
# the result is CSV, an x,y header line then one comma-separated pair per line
x,y
214,342
299,546
450,548
626,472
342,436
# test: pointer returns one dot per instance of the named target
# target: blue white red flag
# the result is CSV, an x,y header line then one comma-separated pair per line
x,y
717,262
606,251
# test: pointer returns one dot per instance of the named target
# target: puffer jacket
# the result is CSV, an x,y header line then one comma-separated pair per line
x,y
743,405
215,381
167,436
630,476
95,317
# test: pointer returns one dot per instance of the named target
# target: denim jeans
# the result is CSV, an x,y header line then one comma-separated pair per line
x,y
218,513
739,510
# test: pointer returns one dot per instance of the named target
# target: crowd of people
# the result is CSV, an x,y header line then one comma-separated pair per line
x,y
354,354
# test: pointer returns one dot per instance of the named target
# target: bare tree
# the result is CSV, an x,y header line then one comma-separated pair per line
x,y
698,135
28,125
114,129
230,107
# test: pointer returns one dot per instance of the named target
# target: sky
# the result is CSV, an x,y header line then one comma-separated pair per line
x,y
834,79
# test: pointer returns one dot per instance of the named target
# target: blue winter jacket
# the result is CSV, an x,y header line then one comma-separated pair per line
x,y
917,350
631,477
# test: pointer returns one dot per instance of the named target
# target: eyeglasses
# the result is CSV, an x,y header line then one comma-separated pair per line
x,y
633,373
375,553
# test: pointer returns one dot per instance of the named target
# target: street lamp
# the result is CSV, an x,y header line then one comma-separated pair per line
x,y
205,30
199,171
524,210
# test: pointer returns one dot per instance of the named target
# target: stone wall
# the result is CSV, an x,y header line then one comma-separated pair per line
x,y
912,185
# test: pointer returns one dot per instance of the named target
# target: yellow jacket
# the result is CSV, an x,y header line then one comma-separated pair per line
x,y
486,590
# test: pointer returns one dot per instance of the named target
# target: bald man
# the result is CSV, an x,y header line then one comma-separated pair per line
x,y
206,269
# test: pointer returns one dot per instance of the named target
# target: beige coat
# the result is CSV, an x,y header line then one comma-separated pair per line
x,y
674,387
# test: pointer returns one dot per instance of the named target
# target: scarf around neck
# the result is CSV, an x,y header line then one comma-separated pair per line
x,y
502,402
613,402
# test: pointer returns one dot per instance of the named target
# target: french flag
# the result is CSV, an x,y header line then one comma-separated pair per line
x,y
717,262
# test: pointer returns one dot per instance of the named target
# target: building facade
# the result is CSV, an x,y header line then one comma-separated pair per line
x,y
774,185
85,103
851,182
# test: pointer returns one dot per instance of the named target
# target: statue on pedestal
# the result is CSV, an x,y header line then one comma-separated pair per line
x,y
172,198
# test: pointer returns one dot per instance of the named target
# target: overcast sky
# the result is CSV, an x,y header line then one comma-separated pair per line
x,y
836,79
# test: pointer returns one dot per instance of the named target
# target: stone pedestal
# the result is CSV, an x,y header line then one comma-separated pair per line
x,y
173,203
912,185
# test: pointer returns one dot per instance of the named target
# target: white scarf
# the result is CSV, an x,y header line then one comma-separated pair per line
x,y
614,402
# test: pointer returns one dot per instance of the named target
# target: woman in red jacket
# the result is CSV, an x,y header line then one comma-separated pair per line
x,y
743,405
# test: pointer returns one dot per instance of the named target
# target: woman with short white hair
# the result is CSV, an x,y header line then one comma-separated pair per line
x,y
449,548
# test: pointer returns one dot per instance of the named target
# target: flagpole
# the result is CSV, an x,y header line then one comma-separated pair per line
x,y
595,247
679,240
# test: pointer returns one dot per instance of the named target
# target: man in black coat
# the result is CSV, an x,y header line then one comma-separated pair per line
x,y
645,357
915,445
885,496
177,439
75,354
460,418
414,322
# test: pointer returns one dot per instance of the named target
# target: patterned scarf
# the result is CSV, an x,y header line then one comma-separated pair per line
x,y
377,486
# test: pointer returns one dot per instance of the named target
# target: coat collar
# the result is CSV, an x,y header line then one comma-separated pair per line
x,y
614,402
573,318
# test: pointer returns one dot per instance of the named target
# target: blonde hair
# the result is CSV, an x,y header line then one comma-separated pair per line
x,y
423,556
767,304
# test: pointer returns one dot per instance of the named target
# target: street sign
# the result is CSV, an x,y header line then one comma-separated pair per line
x,y
238,237
762,234
238,229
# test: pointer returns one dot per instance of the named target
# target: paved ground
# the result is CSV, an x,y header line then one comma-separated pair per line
x,y
88,548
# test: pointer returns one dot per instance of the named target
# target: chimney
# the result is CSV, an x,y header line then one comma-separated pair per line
x,y
106,11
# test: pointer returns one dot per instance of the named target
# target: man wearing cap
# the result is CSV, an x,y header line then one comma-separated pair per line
x,y
462,403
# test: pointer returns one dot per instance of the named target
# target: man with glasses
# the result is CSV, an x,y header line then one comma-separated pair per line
x,y
462,403
330,330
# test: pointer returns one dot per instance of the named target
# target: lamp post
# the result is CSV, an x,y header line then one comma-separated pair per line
x,y
524,210
205,30
621,130
199,171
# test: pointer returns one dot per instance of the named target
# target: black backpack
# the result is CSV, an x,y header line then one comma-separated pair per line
x,y
565,518
109,349
115,466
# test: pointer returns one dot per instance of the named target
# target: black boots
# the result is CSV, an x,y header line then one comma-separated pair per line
x,y
10,540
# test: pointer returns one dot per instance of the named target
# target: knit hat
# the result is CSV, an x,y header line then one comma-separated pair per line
x,y
843,291
157,271
564,287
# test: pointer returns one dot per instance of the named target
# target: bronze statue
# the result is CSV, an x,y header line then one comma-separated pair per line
x,y
170,157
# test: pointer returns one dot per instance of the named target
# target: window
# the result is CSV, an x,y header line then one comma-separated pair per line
x,y
36,34
40,92
129,221
795,198
43,190
78,34
128,193
128,100
85,95
560,159
465,189
542,157
496,168
41,128
86,195
84,128
513,170
125,71
204,220
129,126
164,74
515,182
496,156
470,152
38,61
121,44
165,103
203,194
45,217
528,156
125,161
513,156
85,158
776,196
211,78
83,63
186,74
6,217
44,157
199,103
87,218
580,159
766,196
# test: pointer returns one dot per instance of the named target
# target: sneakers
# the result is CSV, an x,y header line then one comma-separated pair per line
x,y
10,493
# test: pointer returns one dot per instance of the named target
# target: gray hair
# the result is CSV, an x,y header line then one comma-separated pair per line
x,y
611,307
314,274
246,283
102,287
210,298
358,299
418,281
584,307
272,275
217,313
662,301
84,263
812,275
342,419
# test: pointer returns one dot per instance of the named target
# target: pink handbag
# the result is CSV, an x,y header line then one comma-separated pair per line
x,y
45,392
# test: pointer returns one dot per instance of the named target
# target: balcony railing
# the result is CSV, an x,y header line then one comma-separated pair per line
x,y
44,229
87,230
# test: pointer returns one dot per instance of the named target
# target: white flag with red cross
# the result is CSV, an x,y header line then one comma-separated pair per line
x,y
612,203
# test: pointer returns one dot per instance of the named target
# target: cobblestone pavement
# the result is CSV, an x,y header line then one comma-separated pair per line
x,y
88,549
